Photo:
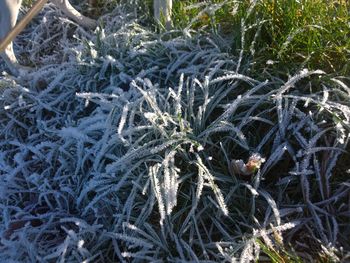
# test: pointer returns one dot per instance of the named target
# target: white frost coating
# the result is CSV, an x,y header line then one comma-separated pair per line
x,y
73,133
143,170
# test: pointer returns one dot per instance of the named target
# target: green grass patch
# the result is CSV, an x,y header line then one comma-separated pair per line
x,y
293,34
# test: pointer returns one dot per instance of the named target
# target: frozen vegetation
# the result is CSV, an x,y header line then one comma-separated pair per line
x,y
121,147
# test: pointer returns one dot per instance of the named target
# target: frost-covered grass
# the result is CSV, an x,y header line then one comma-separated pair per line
x,y
120,148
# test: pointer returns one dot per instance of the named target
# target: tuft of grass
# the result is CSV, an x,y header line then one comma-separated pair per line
x,y
120,146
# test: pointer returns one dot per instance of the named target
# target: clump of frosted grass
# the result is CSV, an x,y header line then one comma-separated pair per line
x,y
124,153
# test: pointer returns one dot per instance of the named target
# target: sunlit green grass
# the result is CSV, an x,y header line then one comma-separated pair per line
x,y
293,34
